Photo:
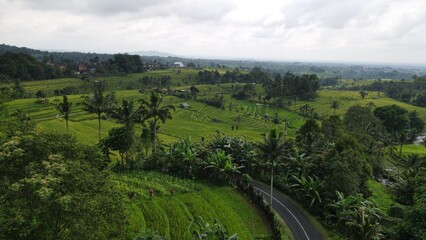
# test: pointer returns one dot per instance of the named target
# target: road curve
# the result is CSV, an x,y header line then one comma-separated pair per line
x,y
297,221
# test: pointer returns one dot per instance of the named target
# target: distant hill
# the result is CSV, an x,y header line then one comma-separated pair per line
x,y
153,53
58,57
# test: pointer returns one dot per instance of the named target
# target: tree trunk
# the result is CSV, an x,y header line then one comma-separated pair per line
x,y
155,135
122,159
66,122
99,124
272,183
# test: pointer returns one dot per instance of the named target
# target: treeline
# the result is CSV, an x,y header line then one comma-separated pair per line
x,y
412,92
256,75
55,57
25,67
292,86
20,66
288,85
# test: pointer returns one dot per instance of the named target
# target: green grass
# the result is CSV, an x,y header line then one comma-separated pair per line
x,y
179,217
197,206
228,216
136,218
171,216
234,200
155,217
414,149
49,86
380,195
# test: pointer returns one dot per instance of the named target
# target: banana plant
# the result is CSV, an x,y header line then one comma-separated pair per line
x,y
308,189
221,165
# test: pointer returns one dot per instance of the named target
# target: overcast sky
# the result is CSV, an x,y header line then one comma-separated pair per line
x,y
380,31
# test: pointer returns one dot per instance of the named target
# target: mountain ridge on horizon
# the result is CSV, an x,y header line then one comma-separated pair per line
x,y
324,69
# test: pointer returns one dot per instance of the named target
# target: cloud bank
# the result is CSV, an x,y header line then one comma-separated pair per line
x,y
309,30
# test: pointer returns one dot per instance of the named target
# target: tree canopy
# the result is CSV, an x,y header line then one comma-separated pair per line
x,y
53,188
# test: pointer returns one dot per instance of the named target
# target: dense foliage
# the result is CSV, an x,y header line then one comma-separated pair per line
x,y
24,67
21,66
54,188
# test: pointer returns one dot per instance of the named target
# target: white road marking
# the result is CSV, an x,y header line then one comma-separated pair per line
x,y
297,220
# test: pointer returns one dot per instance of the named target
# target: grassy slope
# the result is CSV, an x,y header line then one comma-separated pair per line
x,y
171,216
380,195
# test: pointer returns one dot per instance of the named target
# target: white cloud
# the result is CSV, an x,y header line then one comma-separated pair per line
x,y
336,30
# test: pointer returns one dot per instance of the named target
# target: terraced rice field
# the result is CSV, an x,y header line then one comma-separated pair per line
x,y
245,118
200,120
131,81
172,216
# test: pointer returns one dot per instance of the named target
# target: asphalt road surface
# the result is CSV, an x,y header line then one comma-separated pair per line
x,y
298,223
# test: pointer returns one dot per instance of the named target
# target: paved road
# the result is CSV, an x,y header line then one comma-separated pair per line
x,y
298,223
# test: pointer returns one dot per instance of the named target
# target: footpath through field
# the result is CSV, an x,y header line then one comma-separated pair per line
x,y
299,224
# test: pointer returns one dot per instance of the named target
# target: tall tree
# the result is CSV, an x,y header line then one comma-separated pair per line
x,y
155,110
99,102
65,108
194,92
335,105
126,113
363,94
120,139
272,150
393,117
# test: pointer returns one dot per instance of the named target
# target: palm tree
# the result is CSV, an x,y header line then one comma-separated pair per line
x,y
157,111
65,108
363,94
99,102
126,113
335,105
147,136
272,150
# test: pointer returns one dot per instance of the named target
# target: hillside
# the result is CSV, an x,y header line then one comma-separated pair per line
x,y
173,215
57,55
